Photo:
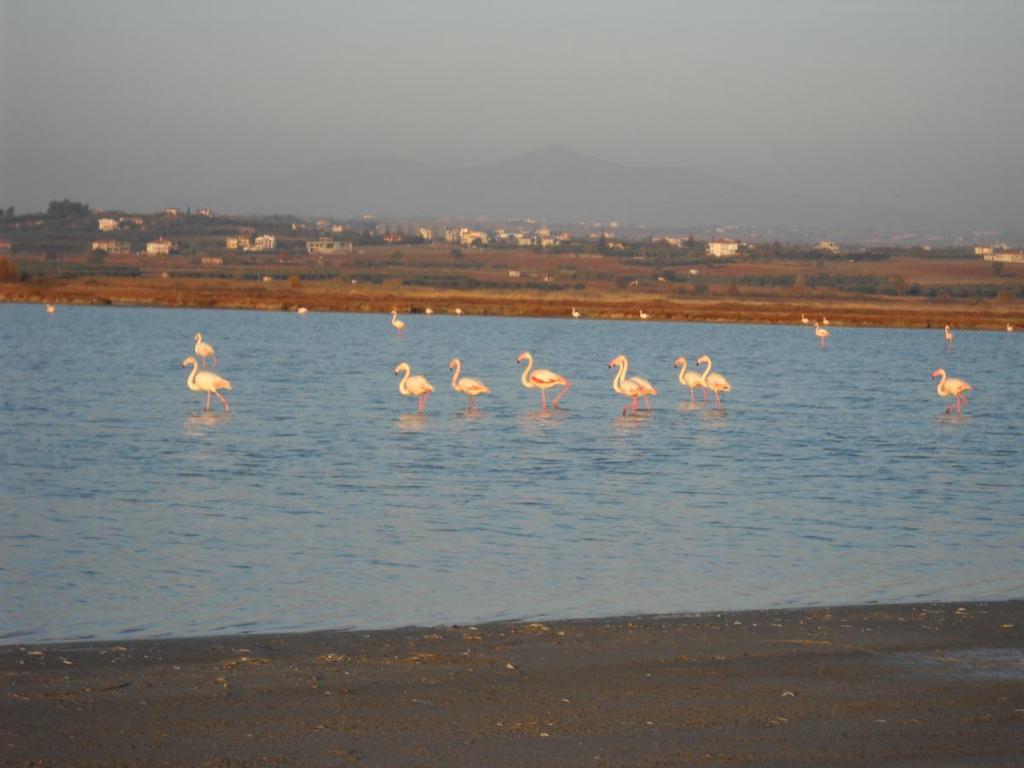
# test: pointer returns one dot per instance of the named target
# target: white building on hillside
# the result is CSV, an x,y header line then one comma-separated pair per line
x,y
720,248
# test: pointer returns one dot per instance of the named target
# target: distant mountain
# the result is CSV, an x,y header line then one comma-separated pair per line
x,y
554,184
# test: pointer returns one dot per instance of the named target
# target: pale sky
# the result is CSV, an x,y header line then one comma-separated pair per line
x,y
138,104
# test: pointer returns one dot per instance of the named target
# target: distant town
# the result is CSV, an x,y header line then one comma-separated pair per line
x,y
46,253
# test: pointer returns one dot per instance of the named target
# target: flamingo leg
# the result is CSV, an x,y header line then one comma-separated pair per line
x,y
543,401
554,403
214,361
693,400
208,400
647,401
223,400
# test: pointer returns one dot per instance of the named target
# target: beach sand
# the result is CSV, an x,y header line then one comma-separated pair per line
x,y
934,684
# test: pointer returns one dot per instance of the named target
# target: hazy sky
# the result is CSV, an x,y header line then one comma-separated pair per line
x,y
137,104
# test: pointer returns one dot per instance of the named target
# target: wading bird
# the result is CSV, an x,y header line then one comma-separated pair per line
x,y
414,386
804,319
1009,327
302,310
206,381
822,334
398,324
633,387
643,315
824,320
949,334
542,379
458,310
951,387
470,387
691,379
50,309
576,313
204,349
428,311
716,382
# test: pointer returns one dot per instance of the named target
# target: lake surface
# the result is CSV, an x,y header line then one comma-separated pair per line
x,y
323,501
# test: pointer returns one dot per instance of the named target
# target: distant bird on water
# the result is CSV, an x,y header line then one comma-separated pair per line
x,y
206,381
804,319
824,320
691,379
50,309
414,386
951,387
458,310
822,334
716,382
1009,327
204,349
468,386
302,310
576,313
949,334
542,379
428,311
398,324
643,315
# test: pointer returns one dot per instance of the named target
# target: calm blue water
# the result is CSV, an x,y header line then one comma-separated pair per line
x,y
323,501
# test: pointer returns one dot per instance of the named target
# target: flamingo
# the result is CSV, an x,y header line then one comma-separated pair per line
x,y
414,386
542,379
576,313
824,320
428,311
204,350
949,334
466,385
822,334
302,310
50,309
206,381
951,387
458,310
804,319
633,387
1009,327
643,315
691,379
398,324
716,382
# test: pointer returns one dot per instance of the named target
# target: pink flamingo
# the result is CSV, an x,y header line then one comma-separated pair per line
x,y
206,381
949,334
542,379
414,386
951,387
822,334
633,387
398,324
691,379
466,385
716,382
204,349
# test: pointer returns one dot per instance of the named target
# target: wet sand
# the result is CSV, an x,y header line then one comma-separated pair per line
x,y
935,684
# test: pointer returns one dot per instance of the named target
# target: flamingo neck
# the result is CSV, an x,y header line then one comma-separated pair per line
x,y
940,389
401,385
704,375
682,373
455,376
620,375
526,371
192,376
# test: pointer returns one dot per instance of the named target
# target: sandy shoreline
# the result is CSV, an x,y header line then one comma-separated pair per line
x,y
931,684
894,312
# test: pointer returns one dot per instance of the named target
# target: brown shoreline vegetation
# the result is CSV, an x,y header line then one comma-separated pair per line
x,y
877,685
339,296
